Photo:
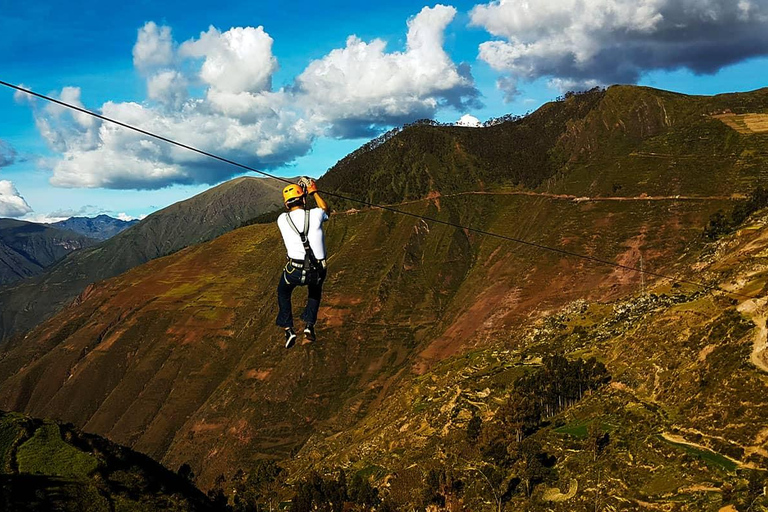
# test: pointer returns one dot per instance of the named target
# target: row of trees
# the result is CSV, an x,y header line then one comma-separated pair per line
x,y
323,494
513,461
549,390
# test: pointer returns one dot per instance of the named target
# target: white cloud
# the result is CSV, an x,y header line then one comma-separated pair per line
x,y
577,44
469,120
168,87
153,48
21,97
43,218
238,60
11,202
350,92
361,85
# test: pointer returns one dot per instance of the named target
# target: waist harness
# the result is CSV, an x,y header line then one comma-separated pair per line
x,y
311,267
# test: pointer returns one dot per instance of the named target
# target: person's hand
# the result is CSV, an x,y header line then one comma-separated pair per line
x,y
308,184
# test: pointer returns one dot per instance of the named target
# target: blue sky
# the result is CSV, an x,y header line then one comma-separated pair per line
x,y
69,168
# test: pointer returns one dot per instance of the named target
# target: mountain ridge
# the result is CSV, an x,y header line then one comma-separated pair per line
x,y
27,248
101,227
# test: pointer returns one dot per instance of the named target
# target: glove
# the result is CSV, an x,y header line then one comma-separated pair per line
x,y
308,184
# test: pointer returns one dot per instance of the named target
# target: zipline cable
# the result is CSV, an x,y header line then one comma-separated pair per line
x,y
483,232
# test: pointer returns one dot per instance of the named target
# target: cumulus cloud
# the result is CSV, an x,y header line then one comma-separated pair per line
x,y
236,113
7,154
362,87
578,44
11,202
127,218
238,60
153,48
168,87
101,154
469,120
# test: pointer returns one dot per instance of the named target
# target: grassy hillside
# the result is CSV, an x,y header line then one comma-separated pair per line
x,y
189,222
26,248
48,466
679,426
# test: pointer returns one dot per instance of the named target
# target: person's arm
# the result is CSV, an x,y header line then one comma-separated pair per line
x,y
312,191
321,203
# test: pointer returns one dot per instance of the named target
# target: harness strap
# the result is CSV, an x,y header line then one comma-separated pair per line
x,y
310,262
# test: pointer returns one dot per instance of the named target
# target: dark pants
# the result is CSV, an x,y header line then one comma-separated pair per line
x,y
290,279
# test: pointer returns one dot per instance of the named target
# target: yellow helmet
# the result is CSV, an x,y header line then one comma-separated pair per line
x,y
292,192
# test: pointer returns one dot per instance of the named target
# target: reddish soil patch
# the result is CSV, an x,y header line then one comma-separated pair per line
x,y
253,373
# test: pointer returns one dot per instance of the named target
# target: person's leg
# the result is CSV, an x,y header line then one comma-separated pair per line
x,y
314,294
284,290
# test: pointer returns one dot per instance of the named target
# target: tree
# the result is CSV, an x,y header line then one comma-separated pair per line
x,y
519,415
474,427
362,492
597,440
185,472
315,493
756,483
217,494
260,487
533,465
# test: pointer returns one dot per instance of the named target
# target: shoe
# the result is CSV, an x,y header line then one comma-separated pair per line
x,y
309,332
290,337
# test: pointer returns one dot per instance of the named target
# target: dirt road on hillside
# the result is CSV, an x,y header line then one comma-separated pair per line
x,y
579,199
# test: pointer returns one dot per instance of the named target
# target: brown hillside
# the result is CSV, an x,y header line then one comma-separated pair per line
x,y
179,358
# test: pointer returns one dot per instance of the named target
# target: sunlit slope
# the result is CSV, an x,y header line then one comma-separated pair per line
x,y
185,223
684,412
642,140
179,358
624,141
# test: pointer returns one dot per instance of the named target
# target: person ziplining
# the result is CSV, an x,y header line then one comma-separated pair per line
x,y
302,230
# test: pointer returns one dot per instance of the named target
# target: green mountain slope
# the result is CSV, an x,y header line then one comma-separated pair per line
x,y
48,466
26,248
189,222
624,141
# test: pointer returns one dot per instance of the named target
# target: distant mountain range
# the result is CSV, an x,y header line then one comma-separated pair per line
x,y
100,227
425,327
195,220
27,248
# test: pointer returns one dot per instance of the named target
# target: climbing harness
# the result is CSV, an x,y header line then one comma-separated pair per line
x,y
310,267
